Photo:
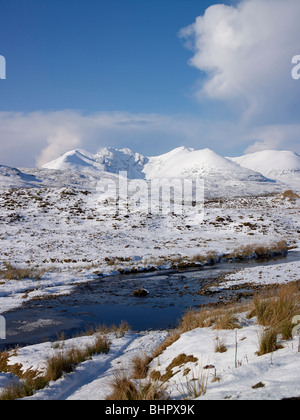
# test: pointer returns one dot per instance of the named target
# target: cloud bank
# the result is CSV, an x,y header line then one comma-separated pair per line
x,y
244,56
29,139
246,53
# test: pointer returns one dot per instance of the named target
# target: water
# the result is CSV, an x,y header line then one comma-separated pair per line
x,y
110,300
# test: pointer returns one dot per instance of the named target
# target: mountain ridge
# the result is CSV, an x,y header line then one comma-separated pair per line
x,y
281,165
222,176
180,162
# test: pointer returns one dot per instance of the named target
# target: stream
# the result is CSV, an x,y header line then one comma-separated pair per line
x,y
110,300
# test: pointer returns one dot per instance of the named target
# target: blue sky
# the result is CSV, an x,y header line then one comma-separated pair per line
x,y
97,55
149,75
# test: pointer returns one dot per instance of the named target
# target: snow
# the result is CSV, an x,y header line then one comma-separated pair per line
x,y
91,380
280,165
12,177
184,162
52,218
230,375
106,160
178,163
223,177
280,274
62,230
238,369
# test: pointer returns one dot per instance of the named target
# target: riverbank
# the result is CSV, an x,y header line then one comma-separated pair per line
x,y
213,354
112,300
61,237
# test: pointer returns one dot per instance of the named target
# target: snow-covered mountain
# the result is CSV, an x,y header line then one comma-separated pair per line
x,y
179,163
12,177
106,160
190,163
258,173
221,175
283,166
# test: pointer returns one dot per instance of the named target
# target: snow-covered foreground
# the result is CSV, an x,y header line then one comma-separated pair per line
x,y
238,373
231,375
92,379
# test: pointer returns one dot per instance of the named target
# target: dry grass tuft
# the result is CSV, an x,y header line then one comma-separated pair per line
x,y
15,273
268,342
259,251
278,309
125,389
197,386
58,365
220,346
140,366
226,320
118,330
180,360
219,319
289,195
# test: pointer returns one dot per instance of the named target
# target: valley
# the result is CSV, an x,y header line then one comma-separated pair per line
x,y
58,235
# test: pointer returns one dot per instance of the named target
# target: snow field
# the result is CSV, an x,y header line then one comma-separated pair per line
x,y
52,220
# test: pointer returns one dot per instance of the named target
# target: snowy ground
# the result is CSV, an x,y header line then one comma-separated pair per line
x,y
279,274
63,231
230,375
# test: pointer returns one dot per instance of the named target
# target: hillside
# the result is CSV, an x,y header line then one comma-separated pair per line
x,y
256,174
190,163
106,160
221,175
12,177
283,166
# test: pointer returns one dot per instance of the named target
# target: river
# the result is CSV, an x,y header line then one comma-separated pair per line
x,y
110,300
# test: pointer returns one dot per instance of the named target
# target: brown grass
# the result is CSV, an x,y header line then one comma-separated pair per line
x,y
220,346
15,273
268,342
140,366
180,360
196,319
58,365
289,195
219,319
118,330
260,251
197,386
277,309
226,320
125,389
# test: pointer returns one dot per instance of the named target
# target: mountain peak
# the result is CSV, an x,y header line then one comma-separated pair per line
x,y
270,161
107,159
255,173
281,165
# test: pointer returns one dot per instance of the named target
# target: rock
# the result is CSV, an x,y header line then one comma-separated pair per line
x,y
259,385
140,292
209,367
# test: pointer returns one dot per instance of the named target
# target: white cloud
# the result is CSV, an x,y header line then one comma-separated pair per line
x,y
27,139
277,137
246,52
39,137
